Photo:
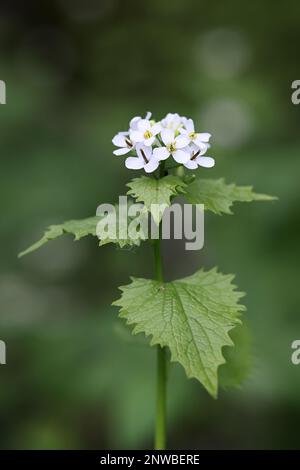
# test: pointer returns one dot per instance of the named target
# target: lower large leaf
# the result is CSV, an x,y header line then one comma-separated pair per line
x,y
191,316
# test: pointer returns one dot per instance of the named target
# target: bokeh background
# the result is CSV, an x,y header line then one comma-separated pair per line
x,y
76,72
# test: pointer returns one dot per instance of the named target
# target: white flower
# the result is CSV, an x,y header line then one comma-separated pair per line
x,y
150,142
196,157
175,146
172,121
146,132
189,131
144,159
123,141
134,121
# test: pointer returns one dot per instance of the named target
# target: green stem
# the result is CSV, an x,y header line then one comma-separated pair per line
x,y
160,433
161,387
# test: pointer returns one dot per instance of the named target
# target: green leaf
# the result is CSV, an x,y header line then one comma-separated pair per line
x,y
218,197
191,316
239,362
156,194
128,240
80,229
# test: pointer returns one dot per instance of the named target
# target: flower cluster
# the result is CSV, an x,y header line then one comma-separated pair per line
x,y
150,142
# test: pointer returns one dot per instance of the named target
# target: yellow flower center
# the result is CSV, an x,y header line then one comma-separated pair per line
x,y
147,135
192,135
171,147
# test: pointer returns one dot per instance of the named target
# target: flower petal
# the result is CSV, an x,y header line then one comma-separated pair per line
x,y
200,146
191,165
119,140
149,141
156,128
143,125
167,136
134,163
142,150
204,136
151,166
189,124
122,151
206,162
133,123
136,136
181,141
161,153
183,131
180,156
148,115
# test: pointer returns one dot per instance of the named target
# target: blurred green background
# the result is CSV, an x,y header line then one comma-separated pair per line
x,y
76,72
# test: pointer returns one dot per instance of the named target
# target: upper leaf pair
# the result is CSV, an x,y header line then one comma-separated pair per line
x,y
157,194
